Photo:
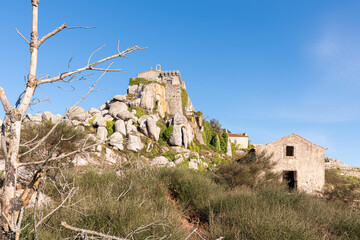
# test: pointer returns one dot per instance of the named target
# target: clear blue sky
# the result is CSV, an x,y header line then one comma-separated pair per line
x,y
268,68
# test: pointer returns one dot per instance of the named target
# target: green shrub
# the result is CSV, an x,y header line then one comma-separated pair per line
x,y
215,142
224,142
194,146
143,81
165,132
184,99
31,131
170,155
234,148
139,111
214,136
91,120
110,127
340,187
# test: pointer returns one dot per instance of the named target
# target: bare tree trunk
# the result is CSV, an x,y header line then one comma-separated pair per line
x,y
10,204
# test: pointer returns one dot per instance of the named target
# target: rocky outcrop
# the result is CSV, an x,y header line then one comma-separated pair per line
x,y
159,162
120,127
152,98
163,98
130,128
148,126
134,143
182,133
120,98
119,110
116,140
77,113
101,133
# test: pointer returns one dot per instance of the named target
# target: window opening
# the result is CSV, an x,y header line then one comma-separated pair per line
x,y
290,151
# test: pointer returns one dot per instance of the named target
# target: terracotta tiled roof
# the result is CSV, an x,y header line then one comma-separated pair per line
x,y
236,135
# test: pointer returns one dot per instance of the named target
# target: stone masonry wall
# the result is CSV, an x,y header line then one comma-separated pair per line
x,y
173,98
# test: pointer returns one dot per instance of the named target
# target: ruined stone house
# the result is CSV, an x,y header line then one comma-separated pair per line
x,y
300,162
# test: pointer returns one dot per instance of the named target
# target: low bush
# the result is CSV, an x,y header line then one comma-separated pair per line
x,y
112,205
250,170
342,188
32,132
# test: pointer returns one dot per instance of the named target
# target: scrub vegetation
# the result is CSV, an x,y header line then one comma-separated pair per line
x,y
236,204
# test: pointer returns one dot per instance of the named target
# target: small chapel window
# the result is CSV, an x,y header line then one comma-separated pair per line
x,y
290,151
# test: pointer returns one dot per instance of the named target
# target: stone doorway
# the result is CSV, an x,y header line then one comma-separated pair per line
x,y
290,178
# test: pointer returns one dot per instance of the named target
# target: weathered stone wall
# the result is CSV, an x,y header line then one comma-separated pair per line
x,y
173,98
308,161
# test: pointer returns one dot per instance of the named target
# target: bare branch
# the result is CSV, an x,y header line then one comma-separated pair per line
x,y
144,228
106,70
57,30
5,102
39,101
81,27
191,234
94,53
88,67
124,192
29,142
6,219
85,231
22,36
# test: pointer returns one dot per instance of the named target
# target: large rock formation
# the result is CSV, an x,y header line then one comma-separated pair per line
x,y
126,122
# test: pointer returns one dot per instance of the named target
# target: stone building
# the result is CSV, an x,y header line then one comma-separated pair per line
x,y
240,139
300,162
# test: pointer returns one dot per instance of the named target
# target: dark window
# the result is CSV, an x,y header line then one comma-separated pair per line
x,y
289,151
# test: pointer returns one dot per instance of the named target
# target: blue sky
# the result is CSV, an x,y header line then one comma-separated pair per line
x,y
268,68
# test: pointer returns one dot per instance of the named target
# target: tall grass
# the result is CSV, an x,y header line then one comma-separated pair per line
x,y
190,199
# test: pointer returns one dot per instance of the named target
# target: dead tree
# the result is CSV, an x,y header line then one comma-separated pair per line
x,y
11,206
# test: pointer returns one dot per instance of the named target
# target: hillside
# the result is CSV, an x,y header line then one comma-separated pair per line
x,y
146,165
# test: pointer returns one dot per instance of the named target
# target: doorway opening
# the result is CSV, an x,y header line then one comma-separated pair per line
x,y
291,179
